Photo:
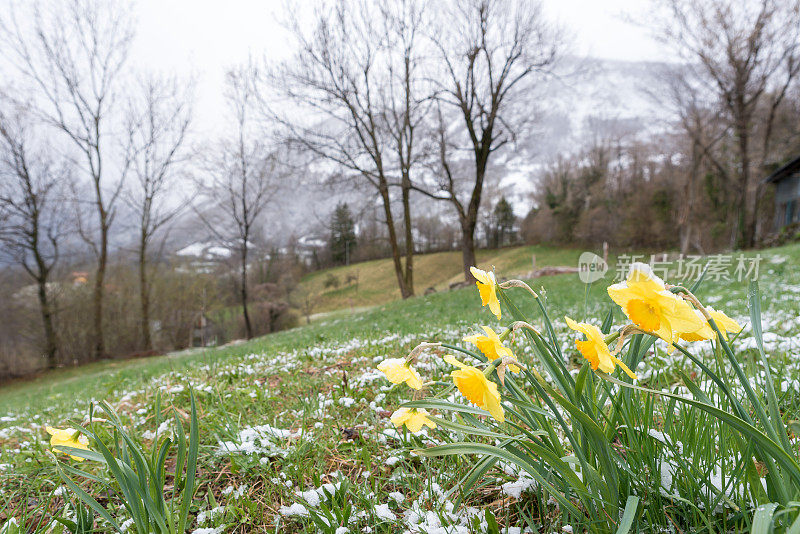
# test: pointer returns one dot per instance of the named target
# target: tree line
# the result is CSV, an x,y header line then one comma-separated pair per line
x,y
697,185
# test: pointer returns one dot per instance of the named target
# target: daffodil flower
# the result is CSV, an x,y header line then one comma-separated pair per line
x,y
487,288
491,346
67,438
652,307
474,385
398,370
595,349
413,418
724,323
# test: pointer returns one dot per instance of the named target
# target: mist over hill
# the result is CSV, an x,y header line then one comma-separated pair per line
x,y
593,98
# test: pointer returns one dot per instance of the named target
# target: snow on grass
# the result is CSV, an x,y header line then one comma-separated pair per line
x,y
278,418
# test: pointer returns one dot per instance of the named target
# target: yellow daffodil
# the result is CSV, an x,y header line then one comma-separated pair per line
x,y
413,418
487,288
479,390
724,323
491,346
647,302
595,349
397,370
67,438
705,332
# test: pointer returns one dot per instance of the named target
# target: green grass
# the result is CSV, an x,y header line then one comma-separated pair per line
x,y
299,381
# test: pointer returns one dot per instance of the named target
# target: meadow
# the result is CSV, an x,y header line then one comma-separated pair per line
x,y
295,432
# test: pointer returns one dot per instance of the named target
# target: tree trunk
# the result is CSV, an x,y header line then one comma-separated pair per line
x,y
409,273
468,248
248,327
687,205
99,349
144,296
745,221
398,267
50,344
469,219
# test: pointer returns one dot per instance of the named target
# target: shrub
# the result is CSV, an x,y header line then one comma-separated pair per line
x,y
331,281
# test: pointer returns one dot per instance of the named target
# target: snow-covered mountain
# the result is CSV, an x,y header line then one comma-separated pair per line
x,y
596,99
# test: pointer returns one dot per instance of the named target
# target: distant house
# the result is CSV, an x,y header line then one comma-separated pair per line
x,y
79,277
787,193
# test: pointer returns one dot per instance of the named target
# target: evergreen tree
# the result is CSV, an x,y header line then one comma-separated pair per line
x,y
504,220
343,235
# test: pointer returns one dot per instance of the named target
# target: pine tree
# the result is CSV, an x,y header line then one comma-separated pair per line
x,y
343,235
504,220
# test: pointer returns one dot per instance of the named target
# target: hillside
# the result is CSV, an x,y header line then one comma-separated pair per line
x,y
377,284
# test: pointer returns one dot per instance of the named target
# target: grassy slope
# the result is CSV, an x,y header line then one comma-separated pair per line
x,y
377,283
287,379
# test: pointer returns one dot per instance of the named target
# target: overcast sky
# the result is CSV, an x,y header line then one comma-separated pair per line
x,y
204,37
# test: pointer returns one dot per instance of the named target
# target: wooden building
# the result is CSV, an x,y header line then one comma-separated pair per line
x,y
787,193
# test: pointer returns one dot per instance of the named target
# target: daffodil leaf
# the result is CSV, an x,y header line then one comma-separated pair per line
x,y
625,524
82,453
767,445
607,322
444,405
520,461
772,400
795,528
191,465
475,474
581,380
762,519
458,427
89,500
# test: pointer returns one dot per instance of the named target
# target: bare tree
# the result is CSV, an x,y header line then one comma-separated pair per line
x,y
358,85
747,54
489,51
700,134
157,125
32,214
243,180
72,53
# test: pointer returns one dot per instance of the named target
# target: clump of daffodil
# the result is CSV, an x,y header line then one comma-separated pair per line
x,y
595,349
724,323
67,437
487,288
399,370
492,347
652,307
413,418
479,390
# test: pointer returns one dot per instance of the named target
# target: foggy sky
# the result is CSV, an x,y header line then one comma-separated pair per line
x,y
204,37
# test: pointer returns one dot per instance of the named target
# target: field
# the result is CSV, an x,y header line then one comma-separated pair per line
x,y
295,433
